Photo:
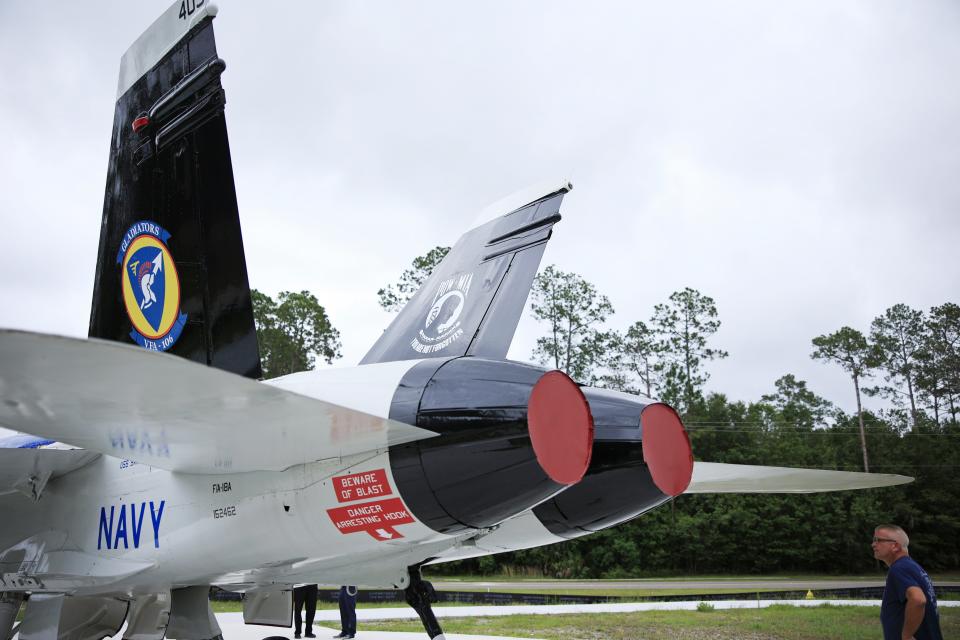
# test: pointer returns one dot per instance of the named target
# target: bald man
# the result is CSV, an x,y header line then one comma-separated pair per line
x,y
909,608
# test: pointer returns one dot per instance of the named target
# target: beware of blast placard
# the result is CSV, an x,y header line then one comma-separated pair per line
x,y
361,486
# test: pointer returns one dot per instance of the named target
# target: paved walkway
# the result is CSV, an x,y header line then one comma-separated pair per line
x,y
745,584
234,629
327,622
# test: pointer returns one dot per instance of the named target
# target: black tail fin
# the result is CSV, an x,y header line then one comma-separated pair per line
x,y
471,303
171,274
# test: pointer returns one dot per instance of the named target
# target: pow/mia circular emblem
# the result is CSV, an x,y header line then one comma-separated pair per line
x,y
442,326
151,286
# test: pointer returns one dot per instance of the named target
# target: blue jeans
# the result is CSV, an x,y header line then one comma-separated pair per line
x,y
348,610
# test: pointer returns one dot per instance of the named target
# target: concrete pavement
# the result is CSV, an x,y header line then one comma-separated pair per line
x,y
327,622
746,584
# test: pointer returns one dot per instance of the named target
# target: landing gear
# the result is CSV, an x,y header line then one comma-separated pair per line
x,y
10,602
191,617
419,595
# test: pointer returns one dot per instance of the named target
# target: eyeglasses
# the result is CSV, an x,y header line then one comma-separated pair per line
x,y
876,539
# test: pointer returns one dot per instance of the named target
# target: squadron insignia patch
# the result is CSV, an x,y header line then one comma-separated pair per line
x,y
151,286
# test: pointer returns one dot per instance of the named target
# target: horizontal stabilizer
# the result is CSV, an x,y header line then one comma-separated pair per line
x,y
29,470
157,409
715,477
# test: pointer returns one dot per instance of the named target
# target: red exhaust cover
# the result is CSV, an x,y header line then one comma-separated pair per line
x,y
561,427
666,449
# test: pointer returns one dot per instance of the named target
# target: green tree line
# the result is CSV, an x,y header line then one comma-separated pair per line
x,y
292,332
906,356
744,534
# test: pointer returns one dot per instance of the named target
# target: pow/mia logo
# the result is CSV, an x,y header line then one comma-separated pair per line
x,y
151,286
441,327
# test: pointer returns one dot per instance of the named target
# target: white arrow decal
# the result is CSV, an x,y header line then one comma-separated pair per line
x,y
146,283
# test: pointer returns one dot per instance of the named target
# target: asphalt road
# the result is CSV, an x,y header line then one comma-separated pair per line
x,y
747,584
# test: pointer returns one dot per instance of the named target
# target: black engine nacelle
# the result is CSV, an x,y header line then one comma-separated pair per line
x,y
641,459
511,436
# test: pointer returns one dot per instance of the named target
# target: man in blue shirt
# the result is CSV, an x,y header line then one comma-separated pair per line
x,y
909,608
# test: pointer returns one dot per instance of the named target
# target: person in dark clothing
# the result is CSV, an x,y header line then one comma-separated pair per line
x,y
909,607
348,612
305,595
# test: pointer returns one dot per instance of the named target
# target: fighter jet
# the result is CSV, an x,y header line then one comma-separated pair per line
x,y
151,463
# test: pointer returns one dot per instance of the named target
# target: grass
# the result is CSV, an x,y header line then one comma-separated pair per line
x,y
879,575
600,588
469,583
774,623
626,594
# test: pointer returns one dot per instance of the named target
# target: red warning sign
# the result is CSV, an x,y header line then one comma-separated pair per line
x,y
376,518
361,486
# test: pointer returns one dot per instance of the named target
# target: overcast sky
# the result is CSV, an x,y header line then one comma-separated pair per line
x,y
799,162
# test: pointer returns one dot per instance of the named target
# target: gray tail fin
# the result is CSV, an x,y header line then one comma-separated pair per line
x,y
471,303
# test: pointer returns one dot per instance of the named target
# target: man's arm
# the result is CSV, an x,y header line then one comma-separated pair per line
x,y
913,611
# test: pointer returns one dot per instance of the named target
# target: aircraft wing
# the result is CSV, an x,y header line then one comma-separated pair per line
x,y
28,470
162,410
715,477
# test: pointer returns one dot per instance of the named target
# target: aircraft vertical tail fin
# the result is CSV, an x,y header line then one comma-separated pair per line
x,y
472,302
171,272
